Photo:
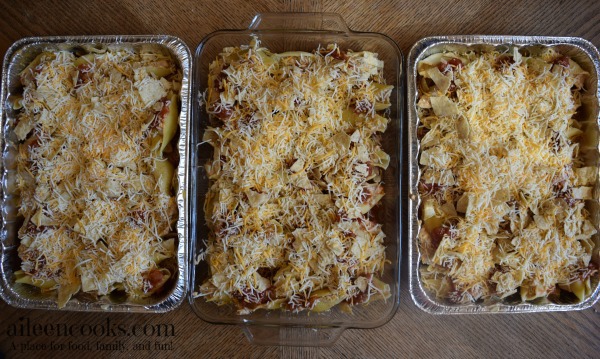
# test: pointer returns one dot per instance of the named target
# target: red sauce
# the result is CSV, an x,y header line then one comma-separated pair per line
x,y
562,61
589,271
430,188
358,298
421,132
503,61
362,296
84,74
222,113
32,142
220,79
452,87
450,65
437,234
154,277
566,194
339,55
165,109
159,118
336,54
139,217
251,299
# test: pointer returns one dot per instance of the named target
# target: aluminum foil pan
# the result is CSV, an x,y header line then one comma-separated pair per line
x,y
18,56
582,52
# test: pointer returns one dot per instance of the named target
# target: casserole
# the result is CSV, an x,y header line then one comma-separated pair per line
x,y
163,287
281,33
533,294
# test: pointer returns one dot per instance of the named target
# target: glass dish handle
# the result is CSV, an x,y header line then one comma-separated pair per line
x,y
311,21
294,336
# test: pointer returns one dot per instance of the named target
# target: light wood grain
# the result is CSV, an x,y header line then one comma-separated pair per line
x,y
411,333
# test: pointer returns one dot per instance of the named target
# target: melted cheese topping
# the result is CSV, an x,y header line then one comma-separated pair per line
x,y
94,216
502,183
296,170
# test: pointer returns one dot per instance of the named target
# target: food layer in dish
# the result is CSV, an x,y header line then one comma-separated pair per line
x,y
295,177
96,135
503,184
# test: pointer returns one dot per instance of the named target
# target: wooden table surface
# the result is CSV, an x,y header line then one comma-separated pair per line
x,y
411,333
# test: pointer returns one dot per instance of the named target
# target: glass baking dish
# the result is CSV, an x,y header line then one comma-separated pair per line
x,y
18,56
287,32
582,52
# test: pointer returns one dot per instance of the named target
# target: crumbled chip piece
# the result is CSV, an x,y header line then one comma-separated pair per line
x,y
443,106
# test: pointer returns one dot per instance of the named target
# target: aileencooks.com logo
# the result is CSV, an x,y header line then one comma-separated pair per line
x,y
105,335
25,328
